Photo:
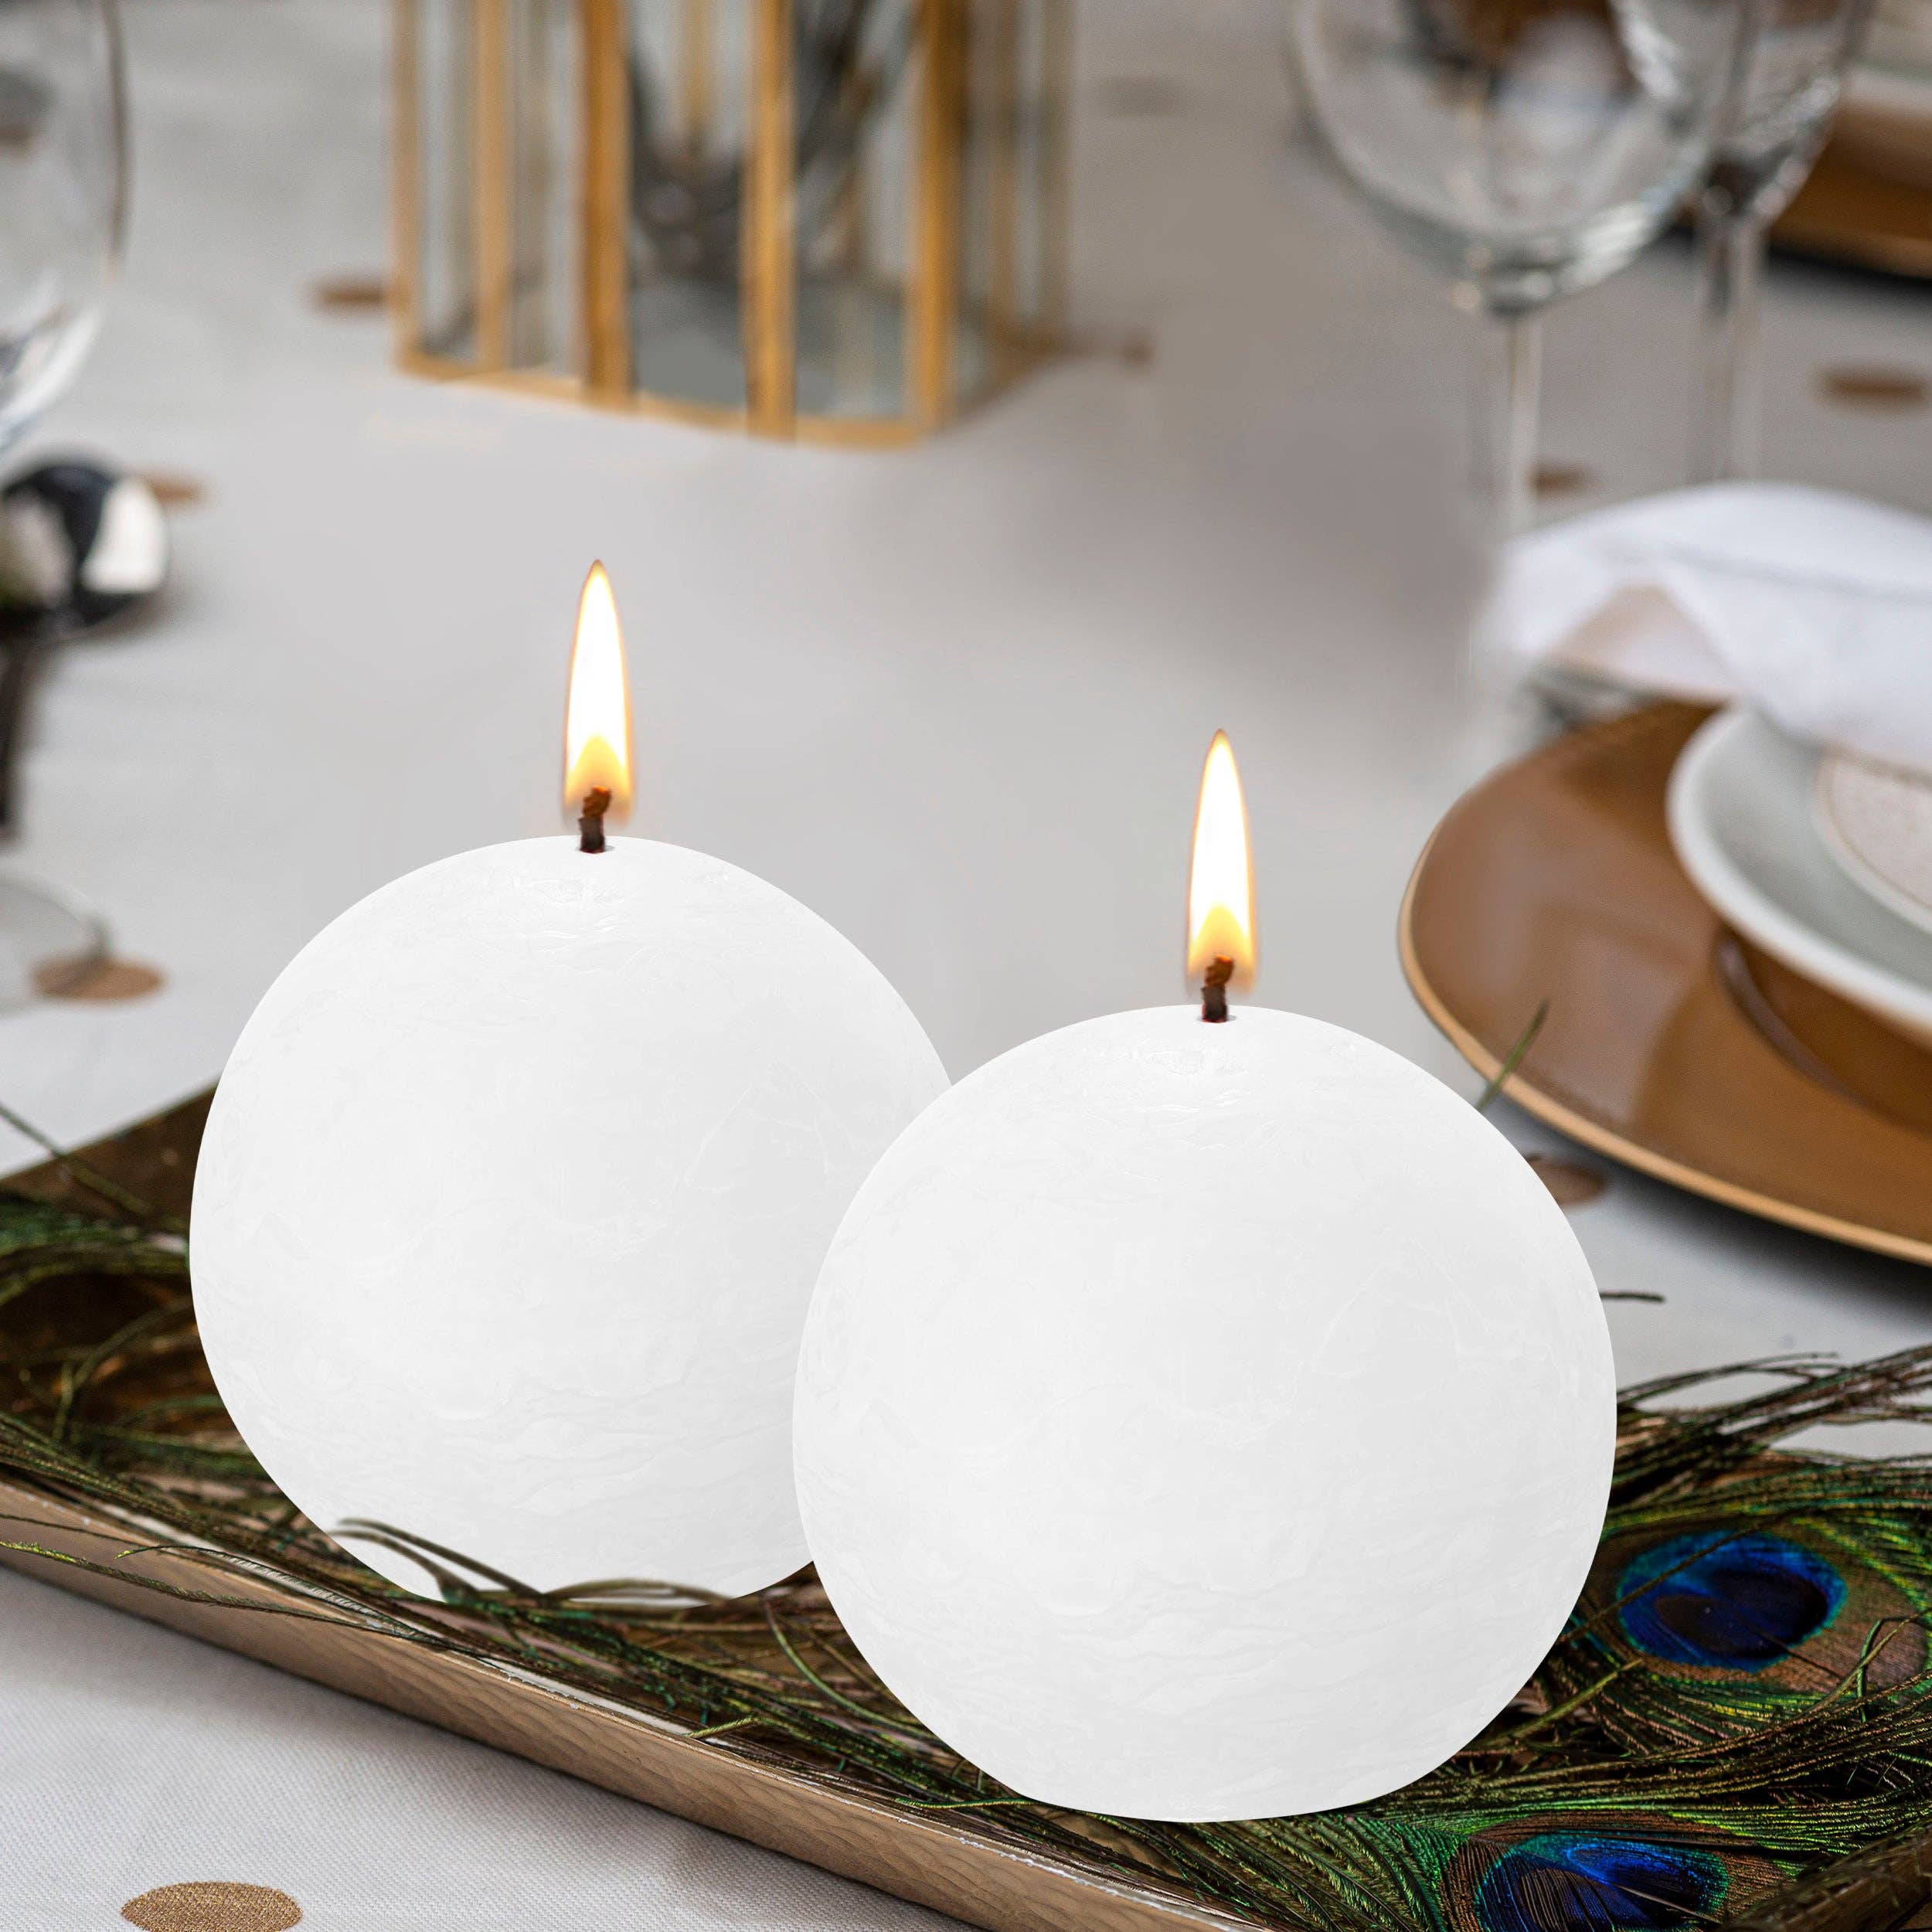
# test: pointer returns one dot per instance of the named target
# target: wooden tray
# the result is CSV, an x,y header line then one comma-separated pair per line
x,y
1669,1044
932,1864
931,1861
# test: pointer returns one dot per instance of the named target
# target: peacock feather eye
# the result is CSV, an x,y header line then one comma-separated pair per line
x,y
1737,1618
1723,1601
1588,1870
1585,1882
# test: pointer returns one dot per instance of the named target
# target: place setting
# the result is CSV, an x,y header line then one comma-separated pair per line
x,y
1734,884
1016,1371
1688,940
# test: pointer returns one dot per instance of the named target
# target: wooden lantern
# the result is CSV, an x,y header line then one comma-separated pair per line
x,y
842,220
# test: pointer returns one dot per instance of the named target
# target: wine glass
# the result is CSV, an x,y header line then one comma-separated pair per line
x,y
1793,73
63,198
1525,149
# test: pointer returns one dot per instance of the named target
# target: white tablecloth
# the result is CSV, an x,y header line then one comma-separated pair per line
x,y
955,699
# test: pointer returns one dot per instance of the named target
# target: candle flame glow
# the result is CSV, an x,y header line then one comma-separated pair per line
x,y
597,728
1220,885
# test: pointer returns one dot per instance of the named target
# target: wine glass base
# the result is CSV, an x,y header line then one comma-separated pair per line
x,y
50,940
1574,697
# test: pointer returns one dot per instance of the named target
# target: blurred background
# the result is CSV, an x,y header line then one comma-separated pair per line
x,y
953,693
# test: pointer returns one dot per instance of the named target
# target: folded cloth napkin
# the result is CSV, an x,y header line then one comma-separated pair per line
x,y
1814,607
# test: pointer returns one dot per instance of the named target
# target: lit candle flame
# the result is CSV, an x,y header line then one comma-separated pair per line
x,y
1220,885
597,728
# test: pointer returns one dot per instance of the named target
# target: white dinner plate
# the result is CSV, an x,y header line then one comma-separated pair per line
x,y
1742,825
1877,822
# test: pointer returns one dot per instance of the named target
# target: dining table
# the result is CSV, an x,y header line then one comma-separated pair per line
x,y
954,696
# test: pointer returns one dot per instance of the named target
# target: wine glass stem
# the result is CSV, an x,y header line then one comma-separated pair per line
x,y
1515,386
1730,257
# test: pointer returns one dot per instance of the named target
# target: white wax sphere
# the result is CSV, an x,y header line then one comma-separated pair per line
x,y
1204,1422
513,1197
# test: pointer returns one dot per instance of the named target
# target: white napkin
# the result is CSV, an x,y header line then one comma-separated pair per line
x,y
1814,607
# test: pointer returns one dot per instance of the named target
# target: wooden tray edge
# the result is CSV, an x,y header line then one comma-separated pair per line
x,y
967,1877
1605,1141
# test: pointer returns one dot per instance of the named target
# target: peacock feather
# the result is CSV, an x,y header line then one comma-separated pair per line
x,y
1740,1698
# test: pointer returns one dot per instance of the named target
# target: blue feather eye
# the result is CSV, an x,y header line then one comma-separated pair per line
x,y
1577,1882
1736,1603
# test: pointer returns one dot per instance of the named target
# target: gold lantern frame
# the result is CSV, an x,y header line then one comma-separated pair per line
x,y
953,64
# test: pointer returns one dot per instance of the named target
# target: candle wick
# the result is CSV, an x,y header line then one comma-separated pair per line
x,y
597,802
1214,991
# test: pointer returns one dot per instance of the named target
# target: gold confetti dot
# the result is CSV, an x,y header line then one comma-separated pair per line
x,y
1570,1183
212,1905
1564,479
172,490
350,292
104,979
1873,388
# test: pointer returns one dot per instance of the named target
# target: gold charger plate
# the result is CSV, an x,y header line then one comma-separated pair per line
x,y
1863,216
1668,1043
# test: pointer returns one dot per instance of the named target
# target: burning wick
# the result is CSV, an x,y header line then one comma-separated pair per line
x,y
1214,991
597,716
1220,885
597,802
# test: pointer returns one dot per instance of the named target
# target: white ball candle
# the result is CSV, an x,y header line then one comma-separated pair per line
x,y
511,1202
1204,1421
